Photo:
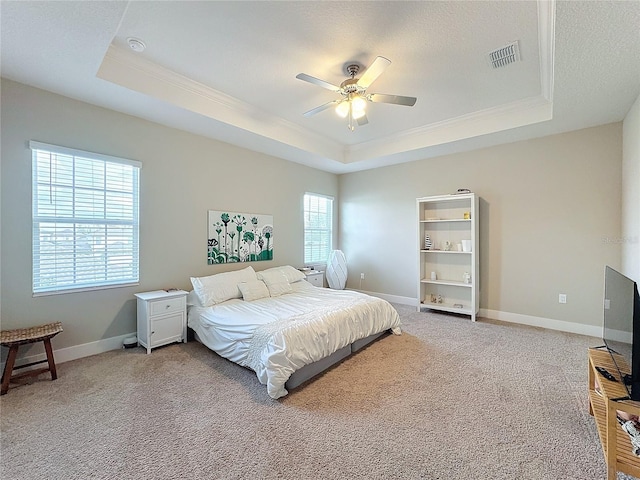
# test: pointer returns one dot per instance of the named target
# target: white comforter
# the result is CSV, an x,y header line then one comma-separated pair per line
x,y
276,336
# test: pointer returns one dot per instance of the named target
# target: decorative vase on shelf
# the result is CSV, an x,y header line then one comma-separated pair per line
x,y
427,242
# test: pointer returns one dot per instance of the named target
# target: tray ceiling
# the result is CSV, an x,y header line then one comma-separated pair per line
x,y
227,70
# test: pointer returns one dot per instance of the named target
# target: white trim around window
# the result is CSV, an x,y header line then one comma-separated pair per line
x,y
85,220
318,228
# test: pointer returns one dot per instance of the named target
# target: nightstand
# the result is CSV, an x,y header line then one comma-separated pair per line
x,y
162,318
315,277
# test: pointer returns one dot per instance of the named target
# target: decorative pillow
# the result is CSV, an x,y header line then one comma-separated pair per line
x,y
253,290
222,286
276,281
293,274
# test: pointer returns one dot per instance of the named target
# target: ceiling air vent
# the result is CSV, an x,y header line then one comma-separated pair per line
x,y
505,55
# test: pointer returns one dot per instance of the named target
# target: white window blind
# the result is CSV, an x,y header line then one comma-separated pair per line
x,y
318,227
85,220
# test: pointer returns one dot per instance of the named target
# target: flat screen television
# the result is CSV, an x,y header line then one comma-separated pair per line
x,y
621,331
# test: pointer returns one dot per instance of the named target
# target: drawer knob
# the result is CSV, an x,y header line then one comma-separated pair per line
x,y
167,306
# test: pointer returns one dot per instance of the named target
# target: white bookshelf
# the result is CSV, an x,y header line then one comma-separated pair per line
x,y
454,253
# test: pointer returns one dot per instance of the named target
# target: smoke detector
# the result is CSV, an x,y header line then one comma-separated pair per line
x,y
136,44
505,56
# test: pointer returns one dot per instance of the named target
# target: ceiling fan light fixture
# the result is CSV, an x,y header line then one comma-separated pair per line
x,y
356,103
358,114
359,104
343,109
355,98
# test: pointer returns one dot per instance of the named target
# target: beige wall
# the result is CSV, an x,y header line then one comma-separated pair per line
x,y
549,221
630,240
183,176
550,212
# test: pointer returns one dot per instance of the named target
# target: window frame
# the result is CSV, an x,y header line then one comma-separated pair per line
x,y
113,225
328,229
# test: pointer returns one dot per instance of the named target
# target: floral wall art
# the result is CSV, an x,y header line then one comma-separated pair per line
x,y
239,237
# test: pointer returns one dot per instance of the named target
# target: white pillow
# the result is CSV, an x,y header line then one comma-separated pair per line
x,y
193,300
276,281
293,274
253,290
222,286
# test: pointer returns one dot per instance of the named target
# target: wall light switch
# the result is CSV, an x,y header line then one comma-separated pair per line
x,y
562,298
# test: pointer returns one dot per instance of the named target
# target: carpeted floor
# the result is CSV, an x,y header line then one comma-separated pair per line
x,y
448,399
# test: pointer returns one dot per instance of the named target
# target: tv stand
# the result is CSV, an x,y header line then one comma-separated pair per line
x,y
606,398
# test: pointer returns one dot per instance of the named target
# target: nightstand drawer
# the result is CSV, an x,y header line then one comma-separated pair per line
x,y
315,278
169,305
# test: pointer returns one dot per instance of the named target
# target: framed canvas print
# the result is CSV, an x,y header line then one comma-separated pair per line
x,y
238,237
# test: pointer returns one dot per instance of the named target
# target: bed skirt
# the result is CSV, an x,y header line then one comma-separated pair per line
x,y
307,372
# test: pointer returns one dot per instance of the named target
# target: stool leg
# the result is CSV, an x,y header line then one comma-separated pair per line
x,y
8,368
52,363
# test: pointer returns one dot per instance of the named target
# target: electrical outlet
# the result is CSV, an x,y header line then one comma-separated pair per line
x,y
562,298
362,276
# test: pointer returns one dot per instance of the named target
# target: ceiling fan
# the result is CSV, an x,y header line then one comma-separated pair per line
x,y
353,91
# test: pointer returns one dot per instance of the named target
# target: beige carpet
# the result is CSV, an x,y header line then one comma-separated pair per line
x,y
449,399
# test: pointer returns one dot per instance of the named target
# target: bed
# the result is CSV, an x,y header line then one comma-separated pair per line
x,y
282,327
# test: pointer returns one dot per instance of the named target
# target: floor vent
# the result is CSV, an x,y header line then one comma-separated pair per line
x,y
504,56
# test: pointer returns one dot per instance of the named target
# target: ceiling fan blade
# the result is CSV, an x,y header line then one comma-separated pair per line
x,y
363,120
395,99
320,108
317,81
376,68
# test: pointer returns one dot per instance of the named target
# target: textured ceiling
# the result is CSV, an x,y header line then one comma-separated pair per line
x,y
227,70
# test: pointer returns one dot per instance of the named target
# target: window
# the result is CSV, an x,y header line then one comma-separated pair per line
x,y
318,227
85,220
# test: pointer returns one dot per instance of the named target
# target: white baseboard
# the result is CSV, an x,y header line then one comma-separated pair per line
x,y
62,355
114,343
551,324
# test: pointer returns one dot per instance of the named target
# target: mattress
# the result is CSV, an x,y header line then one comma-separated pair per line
x,y
277,336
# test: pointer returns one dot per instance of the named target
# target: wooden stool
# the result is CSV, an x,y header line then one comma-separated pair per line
x,y
20,336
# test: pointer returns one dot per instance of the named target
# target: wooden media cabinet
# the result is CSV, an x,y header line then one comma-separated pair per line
x,y
606,398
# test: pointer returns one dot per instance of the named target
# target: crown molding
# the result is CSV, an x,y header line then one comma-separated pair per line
x,y
129,70
495,119
277,136
547,45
